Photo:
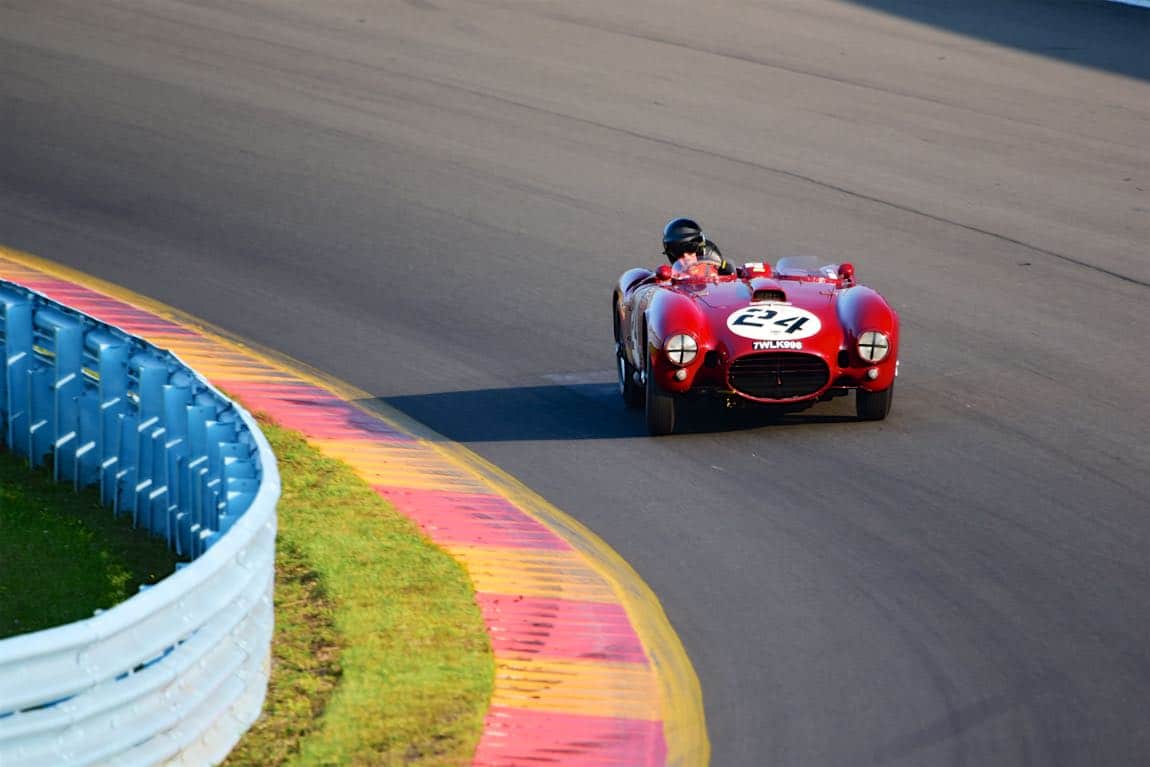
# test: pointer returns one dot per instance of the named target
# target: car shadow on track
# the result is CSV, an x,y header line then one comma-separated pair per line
x,y
576,412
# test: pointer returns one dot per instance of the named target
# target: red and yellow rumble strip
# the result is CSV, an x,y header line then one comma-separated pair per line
x,y
589,672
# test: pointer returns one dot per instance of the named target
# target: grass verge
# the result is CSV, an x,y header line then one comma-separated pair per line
x,y
63,555
380,655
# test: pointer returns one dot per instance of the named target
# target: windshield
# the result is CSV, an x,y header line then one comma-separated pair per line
x,y
805,266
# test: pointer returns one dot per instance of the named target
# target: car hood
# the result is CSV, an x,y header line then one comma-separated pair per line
x,y
813,296
763,314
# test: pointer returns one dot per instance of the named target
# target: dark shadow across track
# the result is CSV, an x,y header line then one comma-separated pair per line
x,y
586,411
1092,33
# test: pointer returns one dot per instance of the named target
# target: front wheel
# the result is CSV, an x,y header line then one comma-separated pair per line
x,y
631,391
661,408
873,405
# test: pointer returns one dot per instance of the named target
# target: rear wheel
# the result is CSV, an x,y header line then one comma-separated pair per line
x,y
661,407
632,392
873,405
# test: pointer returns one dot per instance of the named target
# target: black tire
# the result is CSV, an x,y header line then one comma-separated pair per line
x,y
632,392
873,405
661,407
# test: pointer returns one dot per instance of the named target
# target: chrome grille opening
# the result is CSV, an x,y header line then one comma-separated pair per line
x,y
778,375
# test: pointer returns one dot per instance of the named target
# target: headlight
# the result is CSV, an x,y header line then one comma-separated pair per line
x,y
681,349
873,346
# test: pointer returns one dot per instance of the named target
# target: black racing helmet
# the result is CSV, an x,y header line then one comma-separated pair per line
x,y
681,235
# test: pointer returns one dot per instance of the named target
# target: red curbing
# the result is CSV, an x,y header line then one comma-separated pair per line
x,y
514,737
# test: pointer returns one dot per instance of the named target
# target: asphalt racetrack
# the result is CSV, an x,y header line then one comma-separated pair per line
x,y
432,200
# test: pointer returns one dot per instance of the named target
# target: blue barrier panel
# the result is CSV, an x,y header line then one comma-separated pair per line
x,y
53,384
16,335
105,372
107,408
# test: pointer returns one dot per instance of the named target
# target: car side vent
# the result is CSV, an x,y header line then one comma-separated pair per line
x,y
768,294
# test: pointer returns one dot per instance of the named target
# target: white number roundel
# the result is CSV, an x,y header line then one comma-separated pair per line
x,y
768,322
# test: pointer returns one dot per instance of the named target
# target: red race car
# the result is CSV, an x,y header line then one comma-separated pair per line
x,y
786,336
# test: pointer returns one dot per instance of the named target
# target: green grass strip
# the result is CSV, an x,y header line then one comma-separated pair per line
x,y
371,613
380,655
63,555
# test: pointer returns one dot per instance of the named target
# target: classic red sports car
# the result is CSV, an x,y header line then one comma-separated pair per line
x,y
796,333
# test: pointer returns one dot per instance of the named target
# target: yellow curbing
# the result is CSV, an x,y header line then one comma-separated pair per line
x,y
532,683
680,695
532,573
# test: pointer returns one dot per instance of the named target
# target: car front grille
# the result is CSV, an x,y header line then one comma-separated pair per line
x,y
778,375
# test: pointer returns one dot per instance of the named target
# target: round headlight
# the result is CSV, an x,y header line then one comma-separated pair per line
x,y
873,346
681,349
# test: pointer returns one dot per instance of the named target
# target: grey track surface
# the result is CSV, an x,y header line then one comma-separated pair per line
x,y
431,199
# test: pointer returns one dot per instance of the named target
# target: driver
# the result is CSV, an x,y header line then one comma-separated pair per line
x,y
685,245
